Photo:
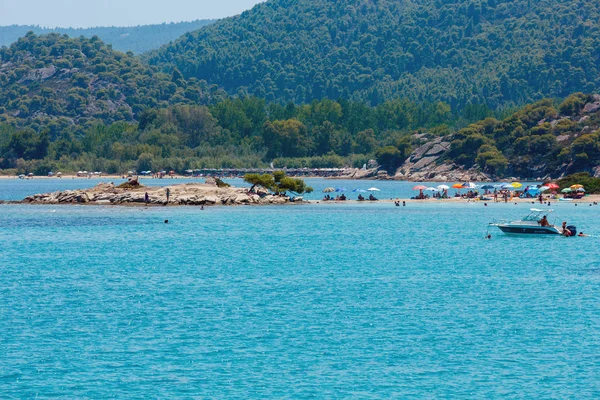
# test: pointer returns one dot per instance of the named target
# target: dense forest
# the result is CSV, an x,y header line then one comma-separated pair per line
x,y
56,81
543,138
236,132
493,52
76,103
138,39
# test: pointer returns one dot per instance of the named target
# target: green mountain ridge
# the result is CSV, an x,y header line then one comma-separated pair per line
x,y
77,103
82,80
495,52
138,39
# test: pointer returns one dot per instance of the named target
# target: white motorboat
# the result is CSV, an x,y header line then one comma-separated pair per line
x,y
535,223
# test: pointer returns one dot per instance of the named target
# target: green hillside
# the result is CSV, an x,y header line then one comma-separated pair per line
x,y
494,52
137,39
540,139
55,78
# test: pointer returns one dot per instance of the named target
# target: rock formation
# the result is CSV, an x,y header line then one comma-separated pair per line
x,y
426,163
183,194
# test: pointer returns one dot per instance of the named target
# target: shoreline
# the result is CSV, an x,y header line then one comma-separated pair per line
x,y
590,199
184,177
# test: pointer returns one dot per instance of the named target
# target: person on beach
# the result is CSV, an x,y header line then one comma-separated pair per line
x,y
541,199
146,198
168,194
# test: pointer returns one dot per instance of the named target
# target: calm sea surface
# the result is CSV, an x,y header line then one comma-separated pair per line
x,y
325,301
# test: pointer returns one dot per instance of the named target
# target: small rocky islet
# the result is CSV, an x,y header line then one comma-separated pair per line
x,y
133,193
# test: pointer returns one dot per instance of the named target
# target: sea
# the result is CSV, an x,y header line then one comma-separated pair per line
x,y
329,300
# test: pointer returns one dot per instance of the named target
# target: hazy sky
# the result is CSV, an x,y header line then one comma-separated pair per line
x,y
86,13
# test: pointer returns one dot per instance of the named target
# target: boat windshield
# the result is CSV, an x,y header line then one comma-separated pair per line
x,y
536,214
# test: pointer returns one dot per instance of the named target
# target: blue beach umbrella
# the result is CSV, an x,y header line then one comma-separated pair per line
x,y
342,189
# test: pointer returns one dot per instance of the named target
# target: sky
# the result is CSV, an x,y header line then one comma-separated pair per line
x,y
88,13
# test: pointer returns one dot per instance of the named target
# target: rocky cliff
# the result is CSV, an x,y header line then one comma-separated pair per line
x,y
427,163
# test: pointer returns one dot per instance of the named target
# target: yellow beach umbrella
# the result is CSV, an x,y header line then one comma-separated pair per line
x,y
576,186
516,185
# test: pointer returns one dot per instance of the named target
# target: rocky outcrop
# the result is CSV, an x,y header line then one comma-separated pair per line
x,y
191,194
591,107
359,173
426,163
39,75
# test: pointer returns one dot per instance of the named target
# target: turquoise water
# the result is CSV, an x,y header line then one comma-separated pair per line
x,y
325,301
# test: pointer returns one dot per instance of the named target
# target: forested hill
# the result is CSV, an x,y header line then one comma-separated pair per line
x,y
137,39
494,52
80,80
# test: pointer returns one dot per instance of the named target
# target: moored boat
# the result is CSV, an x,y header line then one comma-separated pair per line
x,y
534,223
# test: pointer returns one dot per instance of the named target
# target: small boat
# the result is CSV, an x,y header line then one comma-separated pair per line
x,y
530,225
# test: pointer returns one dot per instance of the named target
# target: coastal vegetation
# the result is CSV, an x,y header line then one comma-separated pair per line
x,y
278,182
545,138
590,183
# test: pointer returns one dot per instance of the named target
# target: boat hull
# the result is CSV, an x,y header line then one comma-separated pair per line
x,y
528,230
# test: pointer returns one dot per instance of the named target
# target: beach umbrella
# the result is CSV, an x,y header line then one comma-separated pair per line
x,y
359,190
552,186
328,190
566,190
431,189
486,187
581,190
443,187
342,189
469,185
458,186
543,188
419,187
373,189
516,185
507,186
576,186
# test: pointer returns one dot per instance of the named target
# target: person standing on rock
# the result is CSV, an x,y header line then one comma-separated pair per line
x,y
168,194
146,198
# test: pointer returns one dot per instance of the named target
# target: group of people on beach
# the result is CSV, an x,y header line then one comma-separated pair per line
x,y
342,197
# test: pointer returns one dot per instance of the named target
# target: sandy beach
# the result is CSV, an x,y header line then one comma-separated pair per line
x,y
177,193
